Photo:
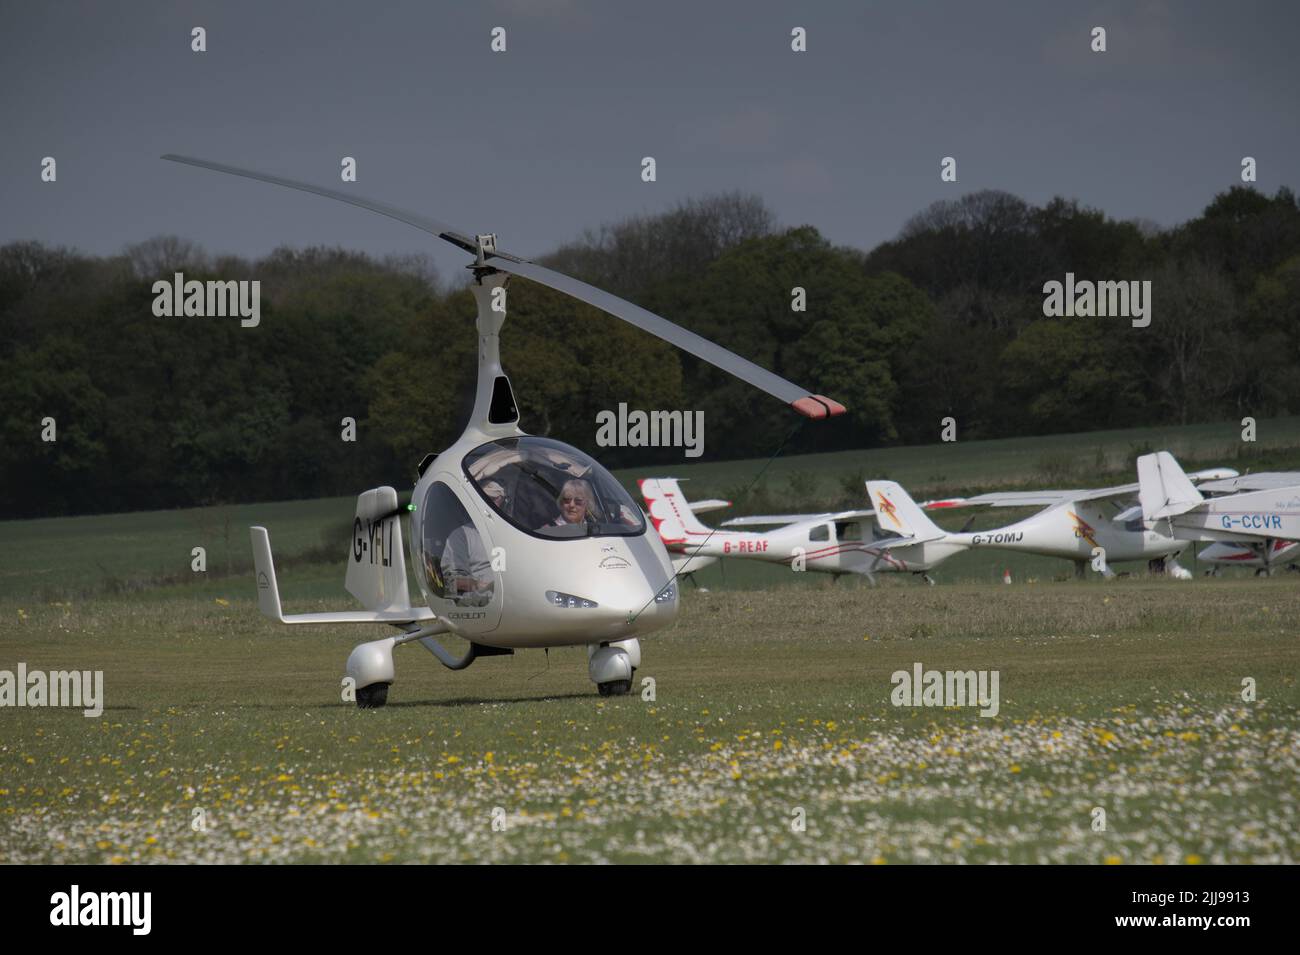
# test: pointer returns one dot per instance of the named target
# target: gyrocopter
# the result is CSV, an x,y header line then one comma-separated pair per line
x,y
517,541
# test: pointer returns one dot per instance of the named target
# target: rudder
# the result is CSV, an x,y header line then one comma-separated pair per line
x,y
377,563
1163,489
670,513
897,512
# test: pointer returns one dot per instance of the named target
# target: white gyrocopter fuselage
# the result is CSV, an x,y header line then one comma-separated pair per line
x,y
516,541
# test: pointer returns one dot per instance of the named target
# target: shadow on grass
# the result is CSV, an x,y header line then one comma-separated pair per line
x,y
402,704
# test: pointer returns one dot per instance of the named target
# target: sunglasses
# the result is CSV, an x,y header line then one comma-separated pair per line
x,y
573,500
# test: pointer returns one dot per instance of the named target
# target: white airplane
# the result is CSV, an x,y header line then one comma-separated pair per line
x,y
1076,525
839,542
1254,512
518,541
1072,524
1262,557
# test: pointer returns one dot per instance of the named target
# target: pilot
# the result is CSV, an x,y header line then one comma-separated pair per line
x,y
575,502
497,495
466,568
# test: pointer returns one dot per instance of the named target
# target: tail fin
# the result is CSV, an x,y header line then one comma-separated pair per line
x,y
377,563
897,512
671,514
1163,489
268,596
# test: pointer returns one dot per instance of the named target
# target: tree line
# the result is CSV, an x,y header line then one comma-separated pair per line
x,y
944,321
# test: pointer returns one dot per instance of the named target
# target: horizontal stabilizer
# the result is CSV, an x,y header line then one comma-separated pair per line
x,y
268,596
893,543
689,564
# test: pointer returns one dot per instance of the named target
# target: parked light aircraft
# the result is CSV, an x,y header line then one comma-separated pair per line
x,y
518,541
1074,525
840,542
1262,557
1254,512
1259,556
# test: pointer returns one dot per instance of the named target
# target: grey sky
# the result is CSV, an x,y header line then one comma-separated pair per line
x,y
546,139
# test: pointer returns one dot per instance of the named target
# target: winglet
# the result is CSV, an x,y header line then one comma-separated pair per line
x,y
268,591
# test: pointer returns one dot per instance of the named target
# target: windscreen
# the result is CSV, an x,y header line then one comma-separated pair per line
x,y
551,490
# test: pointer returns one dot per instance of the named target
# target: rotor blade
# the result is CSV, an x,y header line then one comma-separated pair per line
x,y
806,403
440,229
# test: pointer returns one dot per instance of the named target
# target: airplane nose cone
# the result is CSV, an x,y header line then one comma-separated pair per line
x,y
644,608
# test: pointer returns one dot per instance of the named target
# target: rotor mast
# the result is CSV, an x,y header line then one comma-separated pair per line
x,y
495,412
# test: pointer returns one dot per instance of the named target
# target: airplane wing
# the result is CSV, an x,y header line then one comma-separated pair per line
x,y
1263,481
942,503
1051,498
758,520
1044,498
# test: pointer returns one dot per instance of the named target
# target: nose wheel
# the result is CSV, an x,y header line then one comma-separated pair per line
x,y
372,697
615,688
612,666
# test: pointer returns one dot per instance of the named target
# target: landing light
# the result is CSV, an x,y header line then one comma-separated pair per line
x,y
568,600
667,594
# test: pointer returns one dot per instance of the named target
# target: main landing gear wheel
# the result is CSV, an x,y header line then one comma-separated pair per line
x,y
615,688
372,697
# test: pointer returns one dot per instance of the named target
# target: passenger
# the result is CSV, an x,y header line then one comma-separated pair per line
x,y
575,502
466,568
497,495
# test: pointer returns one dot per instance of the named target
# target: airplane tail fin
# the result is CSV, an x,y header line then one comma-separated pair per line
x,y
897,512
1163,489
377,562
671,514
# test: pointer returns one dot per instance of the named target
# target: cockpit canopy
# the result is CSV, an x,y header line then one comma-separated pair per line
x,y
549,489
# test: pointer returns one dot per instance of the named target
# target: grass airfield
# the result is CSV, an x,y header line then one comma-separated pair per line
x,y
771,699
1123,695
